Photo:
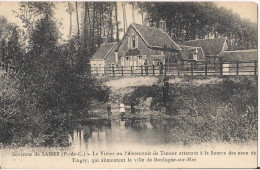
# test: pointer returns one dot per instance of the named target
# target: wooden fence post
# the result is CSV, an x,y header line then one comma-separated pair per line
x,y
153,70
237,68
191,67
6,67
131,70
221,68
113,71
141,70
165,69
255,68
206,69
122,70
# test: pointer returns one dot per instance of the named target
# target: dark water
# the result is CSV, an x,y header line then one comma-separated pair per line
x,y
107,133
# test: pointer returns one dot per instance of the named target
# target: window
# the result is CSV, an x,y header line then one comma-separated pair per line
x,y
140,60
133,42
127,61
190,56
195,56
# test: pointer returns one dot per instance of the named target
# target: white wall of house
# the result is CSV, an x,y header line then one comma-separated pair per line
x,y
97,66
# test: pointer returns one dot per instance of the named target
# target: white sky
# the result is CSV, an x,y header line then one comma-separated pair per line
x,y
246,10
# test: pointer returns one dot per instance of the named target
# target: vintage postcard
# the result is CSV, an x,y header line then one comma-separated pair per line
x,y
128,84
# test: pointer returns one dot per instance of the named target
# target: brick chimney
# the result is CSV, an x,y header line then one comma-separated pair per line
x,y
162,25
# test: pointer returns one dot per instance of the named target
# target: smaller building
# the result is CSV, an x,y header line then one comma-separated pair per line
x,y
212,48
244,60
240,55
105,56
190,53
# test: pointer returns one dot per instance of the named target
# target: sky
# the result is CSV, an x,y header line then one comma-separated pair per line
x,y
247,10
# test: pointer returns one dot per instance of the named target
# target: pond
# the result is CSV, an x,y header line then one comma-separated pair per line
x,y
97,142
119,133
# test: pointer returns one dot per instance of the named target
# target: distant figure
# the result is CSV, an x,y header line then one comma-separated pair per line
x,y
109,124
109,112
146,67
122,109
161,68
165,91
132,108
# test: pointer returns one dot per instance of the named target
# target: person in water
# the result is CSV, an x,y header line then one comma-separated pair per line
x,y
132,108
109,112
122,109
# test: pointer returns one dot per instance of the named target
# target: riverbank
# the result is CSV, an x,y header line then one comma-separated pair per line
x,y
201,110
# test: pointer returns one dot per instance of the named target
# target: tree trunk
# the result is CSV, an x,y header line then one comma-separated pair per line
x,y
78,38
77,18
117,29
85,56
133,11
111,23
70,12
123,15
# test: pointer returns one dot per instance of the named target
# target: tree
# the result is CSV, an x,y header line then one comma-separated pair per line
x,y
70,11
14,50
204,20
117,29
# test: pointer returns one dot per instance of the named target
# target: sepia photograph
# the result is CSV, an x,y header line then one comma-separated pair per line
x,y
116,84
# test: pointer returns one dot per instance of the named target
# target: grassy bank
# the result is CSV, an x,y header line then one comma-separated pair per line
x,y
223,110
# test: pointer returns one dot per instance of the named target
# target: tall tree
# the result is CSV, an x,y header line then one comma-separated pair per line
x,y
117,28
70,11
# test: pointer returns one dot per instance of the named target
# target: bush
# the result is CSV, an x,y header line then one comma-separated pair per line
x,y
225,112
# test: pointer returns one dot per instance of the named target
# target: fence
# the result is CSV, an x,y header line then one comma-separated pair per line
x,y
230,68
8,67
191,69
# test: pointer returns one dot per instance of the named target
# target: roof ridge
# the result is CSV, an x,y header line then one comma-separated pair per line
x,y
189,46
109,43
208,39
109,51
242,50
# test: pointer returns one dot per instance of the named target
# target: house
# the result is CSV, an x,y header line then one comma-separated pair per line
x,y
105,56
153,45
212,48
245,60
142,43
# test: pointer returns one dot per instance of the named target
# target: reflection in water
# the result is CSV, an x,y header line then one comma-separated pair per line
x,y
121,132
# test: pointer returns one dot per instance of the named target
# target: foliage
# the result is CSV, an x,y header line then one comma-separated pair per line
x,y
204,20
44,101
225,112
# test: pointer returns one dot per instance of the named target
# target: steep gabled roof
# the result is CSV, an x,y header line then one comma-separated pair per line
x,y
211,47
155,37
105,50
190,49
240,55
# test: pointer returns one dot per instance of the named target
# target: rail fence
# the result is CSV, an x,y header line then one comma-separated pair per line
x,y
231,68
8,67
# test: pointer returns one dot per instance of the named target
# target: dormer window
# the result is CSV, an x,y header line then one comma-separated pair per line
x,y
193,55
